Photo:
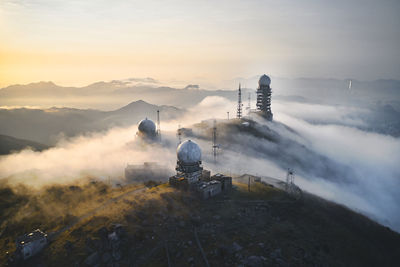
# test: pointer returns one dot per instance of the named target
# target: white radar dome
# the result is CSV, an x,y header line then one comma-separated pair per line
x,y
147,127
264,80
189,152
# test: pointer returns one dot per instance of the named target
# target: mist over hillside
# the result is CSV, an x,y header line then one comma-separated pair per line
x,y
342,140
375,104
325,144
9,144
47,126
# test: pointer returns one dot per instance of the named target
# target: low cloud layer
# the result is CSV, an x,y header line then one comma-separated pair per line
x,y
343,164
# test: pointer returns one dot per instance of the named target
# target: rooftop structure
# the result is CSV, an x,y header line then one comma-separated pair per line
x,y
30,244
264,93
191,175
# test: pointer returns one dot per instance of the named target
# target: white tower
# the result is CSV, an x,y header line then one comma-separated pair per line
x,y
264,93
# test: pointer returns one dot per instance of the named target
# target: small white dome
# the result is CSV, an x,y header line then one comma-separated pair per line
x,y
264,80
147,127
189,152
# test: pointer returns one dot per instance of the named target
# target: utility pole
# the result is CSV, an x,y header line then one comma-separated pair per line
x,y
228,114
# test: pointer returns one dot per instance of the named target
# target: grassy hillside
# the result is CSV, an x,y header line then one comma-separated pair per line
x,y
47,125
264,227
9,144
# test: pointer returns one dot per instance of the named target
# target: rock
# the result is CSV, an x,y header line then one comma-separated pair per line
x,y
254,261
238,256
113,236
93,259
281,262
236,247
277,253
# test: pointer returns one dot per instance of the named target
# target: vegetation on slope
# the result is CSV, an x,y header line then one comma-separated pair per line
x,y
264,227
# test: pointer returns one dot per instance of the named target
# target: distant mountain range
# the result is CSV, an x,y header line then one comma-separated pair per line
x,y
46,125
113,94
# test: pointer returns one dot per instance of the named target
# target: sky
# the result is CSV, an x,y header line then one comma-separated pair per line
x,y
78,42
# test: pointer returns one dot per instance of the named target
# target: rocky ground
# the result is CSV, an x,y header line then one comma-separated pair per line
x,y
264,227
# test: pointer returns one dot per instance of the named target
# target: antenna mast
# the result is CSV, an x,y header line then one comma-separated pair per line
x,y
214,139
179,134
290,181
158,125
239,107
249,104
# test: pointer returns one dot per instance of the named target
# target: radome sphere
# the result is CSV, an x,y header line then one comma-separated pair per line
x,y
189,152
264,80
147,127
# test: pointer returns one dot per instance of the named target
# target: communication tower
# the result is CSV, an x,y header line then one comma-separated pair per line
x,y
248,108
214,140
290,187
239,107
264,93
179,134
158,125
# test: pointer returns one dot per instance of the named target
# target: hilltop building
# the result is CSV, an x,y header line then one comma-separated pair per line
x,y
30,244
264,93
191,175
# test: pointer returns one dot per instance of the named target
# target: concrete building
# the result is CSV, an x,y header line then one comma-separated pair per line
x,y
208,189
226,181
264,93
30,244
191,175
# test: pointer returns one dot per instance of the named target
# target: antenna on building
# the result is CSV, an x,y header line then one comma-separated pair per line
x,y
239,107
214,140
249,104
290,187
158,125
179,134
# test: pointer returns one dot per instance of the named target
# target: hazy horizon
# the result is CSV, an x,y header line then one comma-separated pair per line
x,y
79,42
